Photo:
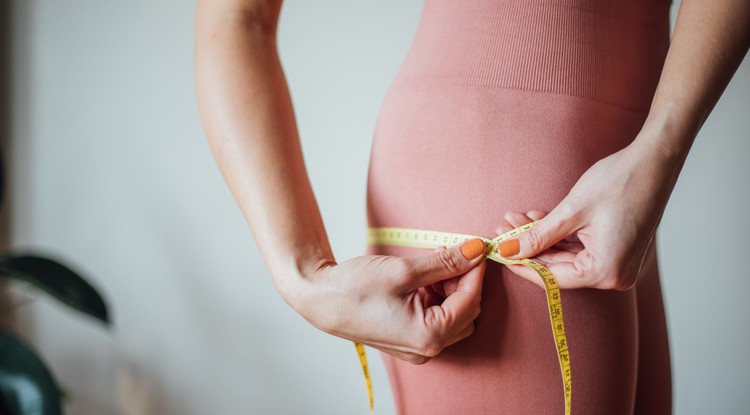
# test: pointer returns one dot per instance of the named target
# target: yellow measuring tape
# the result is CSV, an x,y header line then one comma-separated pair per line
x,y
417,238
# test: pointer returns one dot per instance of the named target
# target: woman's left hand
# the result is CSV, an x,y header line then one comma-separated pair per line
x,y
598,235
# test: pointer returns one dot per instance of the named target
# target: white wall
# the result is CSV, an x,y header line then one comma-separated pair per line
x,y
111,171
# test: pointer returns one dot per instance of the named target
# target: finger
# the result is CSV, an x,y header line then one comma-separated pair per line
x,y
548,258
566,266
536,214
454,326
471,282
443,264
572,238
513,219
576,273
466,332
564,245
553,255
430,296
439,287
412,358
450,286
503,227
459,308
410,351
517,219
547,232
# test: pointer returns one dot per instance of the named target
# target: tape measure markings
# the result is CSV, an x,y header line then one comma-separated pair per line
x,y
418,238
366,372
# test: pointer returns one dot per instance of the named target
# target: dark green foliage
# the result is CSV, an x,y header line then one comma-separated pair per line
x,y
26,386
57,280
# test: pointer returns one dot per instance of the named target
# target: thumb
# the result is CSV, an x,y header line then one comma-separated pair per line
x,y
445,263
544,234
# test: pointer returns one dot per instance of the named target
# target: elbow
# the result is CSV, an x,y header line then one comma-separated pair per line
x,y
258,17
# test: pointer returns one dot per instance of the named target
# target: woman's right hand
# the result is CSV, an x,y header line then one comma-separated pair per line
x,y
389,303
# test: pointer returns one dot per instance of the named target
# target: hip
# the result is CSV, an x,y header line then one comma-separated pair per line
x,y
456,157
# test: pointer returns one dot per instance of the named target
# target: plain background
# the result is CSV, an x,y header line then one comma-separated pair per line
x,y
110,171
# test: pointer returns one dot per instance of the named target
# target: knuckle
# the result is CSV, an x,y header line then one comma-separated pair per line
x,y
608,283
403,269
418,360
432,350
430,346
604,277
477,311
566,210
586,276
535,238
449,262
614,278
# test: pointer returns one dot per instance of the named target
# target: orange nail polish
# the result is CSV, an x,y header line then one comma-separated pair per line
x,y
509,248
473,248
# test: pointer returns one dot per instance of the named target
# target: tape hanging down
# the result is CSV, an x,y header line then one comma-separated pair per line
x,y
417,238
366,372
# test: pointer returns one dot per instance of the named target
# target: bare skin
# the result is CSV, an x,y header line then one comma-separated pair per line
x,y
596,237
248,117
599,234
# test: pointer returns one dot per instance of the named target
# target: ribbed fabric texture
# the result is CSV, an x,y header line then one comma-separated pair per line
x,y
590,49
502,105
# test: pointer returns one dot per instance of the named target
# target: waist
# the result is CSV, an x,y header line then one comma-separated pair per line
x,y
602,50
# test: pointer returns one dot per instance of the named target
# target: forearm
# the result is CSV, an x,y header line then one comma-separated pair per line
x,y
249,121
710,40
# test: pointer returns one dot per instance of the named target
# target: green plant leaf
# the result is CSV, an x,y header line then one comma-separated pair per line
x,y
57,280
26,385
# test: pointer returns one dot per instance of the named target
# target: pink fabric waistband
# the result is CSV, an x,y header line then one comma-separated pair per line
x,y
608,51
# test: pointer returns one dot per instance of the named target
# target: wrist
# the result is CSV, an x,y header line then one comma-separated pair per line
x,y
302,284
654,165
667,134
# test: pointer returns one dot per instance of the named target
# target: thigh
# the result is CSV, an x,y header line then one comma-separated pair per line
x,y
509,365
654,391
602,331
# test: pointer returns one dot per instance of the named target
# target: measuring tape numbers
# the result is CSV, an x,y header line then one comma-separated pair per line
x,y
417,238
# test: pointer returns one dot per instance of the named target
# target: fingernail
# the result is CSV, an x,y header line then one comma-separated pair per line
x,y
473,248
509,248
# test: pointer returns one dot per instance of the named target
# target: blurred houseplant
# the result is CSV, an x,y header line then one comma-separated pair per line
x,y
27,387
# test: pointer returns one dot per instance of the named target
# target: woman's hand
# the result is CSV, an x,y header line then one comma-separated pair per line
x,y
609,218
385,302
389,303
600,232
